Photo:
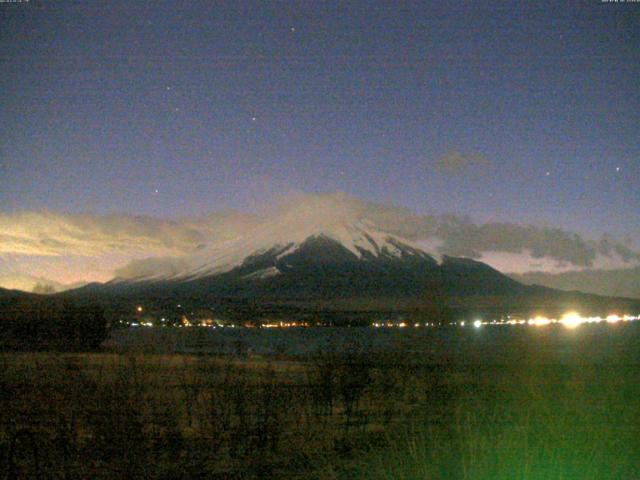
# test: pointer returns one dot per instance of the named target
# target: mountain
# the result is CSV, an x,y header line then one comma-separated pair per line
x,y
11,294
323,247
624,281
325,254
4,292
30,283
334,217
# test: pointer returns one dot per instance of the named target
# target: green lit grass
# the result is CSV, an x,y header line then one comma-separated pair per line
x,y
544,423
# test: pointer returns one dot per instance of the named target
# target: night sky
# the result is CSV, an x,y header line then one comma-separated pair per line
x,y
522,112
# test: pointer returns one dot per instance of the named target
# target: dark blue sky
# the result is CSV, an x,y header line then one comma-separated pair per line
x,y
180,108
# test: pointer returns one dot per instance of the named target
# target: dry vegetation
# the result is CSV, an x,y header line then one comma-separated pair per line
x,y
359,414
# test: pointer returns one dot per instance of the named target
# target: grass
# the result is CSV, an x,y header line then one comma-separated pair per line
x,y
534,430
357,414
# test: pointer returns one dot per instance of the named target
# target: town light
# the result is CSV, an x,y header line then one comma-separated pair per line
x,y
613,319
571,320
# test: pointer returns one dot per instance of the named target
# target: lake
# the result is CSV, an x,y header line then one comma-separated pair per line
x,y
591,343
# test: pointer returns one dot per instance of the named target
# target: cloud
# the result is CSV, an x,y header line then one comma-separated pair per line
x,y
148,267
454,162
50,234
464,238
65,249
610,246
68,248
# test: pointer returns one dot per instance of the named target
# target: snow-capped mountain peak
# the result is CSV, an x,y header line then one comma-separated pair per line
x,y
337,218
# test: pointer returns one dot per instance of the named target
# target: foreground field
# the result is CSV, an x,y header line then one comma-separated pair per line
x,y
536,405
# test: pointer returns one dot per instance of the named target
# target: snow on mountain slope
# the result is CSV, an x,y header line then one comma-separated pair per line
x,y
264,273
336,217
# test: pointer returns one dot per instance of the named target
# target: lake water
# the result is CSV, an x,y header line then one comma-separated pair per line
x,y
591,343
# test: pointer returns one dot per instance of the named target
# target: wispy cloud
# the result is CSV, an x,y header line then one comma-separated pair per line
x,y
464,238
455,162
51,234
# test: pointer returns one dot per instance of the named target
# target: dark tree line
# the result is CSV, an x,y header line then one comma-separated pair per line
x,y
49,323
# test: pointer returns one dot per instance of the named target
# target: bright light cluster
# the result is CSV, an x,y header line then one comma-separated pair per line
x,y
570,320
401,325
285,325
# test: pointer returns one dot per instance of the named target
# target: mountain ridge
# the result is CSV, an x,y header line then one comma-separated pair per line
x,y
325,253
